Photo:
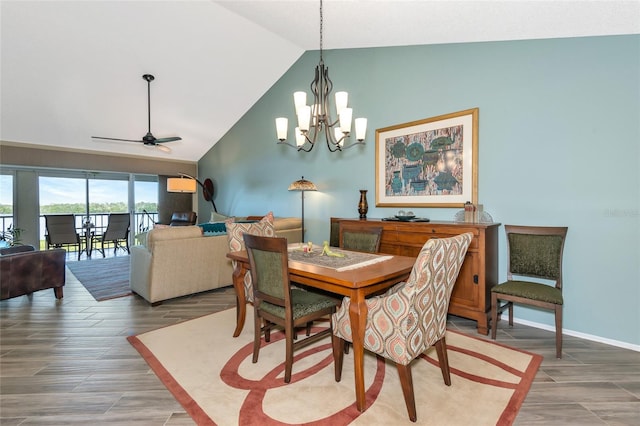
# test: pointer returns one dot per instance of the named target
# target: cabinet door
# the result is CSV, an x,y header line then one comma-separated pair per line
x,y
466,289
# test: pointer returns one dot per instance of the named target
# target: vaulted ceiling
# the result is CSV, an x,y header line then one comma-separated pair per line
x,y
73,69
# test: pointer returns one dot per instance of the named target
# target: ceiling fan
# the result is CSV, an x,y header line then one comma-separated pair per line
x,y
148,139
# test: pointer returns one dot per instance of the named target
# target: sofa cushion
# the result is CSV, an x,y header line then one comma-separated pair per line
x,y
217,217
282,223
16,249
172,233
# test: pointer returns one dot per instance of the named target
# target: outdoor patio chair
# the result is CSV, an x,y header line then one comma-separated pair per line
x,y
117,232
61,231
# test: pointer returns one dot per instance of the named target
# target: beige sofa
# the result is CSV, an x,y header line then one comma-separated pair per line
x,y
178,261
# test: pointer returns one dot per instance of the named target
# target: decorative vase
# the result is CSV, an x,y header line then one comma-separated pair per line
x,y
363,207
396,182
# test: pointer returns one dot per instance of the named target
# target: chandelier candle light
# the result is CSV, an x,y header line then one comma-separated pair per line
x,y
316,118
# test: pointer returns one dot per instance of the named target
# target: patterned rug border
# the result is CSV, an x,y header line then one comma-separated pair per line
x,y
199,415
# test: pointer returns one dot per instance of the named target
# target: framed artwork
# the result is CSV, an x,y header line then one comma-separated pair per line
x,y
428,163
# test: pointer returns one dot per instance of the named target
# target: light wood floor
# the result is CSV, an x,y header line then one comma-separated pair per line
x,y
68,362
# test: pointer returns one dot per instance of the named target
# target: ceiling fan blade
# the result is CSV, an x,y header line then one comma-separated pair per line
x,y
169,139
163,148
115,139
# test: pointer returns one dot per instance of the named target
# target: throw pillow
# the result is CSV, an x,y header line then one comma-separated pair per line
x,y
217,227
217,217
235,230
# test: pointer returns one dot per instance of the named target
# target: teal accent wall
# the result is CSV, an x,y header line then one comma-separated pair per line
x,y
558,145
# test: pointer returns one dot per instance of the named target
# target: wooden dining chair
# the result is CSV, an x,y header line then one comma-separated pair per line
x,y
359,237
61,231
532,252
275,302
419,316
235,237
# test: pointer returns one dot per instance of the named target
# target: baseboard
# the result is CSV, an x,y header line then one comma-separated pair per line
x,y
591,337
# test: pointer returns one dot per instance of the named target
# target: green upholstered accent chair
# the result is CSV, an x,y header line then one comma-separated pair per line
x,y
411,316
534,252
360,238
275,302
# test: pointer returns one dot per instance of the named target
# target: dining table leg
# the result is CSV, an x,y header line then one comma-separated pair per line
x,y
358,317
241,301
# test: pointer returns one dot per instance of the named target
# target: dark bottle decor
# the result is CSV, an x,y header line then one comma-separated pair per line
x,y
363,207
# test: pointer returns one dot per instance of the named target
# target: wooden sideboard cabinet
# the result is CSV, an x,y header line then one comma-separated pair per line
x,y
471,297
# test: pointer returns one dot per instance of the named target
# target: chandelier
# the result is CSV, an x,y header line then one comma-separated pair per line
x,y
316,118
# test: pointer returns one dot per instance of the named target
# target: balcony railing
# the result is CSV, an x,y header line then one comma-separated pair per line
x,y
141,222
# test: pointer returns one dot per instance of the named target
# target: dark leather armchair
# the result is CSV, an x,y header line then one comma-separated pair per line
x,y
183,218
23,270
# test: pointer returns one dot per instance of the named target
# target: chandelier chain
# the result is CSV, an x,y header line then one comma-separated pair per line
x,y
321,25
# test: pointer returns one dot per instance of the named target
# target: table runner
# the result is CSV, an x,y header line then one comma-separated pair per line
x,y
351,259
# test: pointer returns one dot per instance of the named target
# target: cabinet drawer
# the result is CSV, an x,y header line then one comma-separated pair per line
x,y
422,236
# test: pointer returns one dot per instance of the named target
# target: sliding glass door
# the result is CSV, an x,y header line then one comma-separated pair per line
x,y
6,204
92,196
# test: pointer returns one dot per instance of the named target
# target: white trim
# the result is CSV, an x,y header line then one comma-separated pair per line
x,y
591,337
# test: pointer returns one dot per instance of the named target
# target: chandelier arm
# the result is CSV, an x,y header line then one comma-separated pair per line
x,y
351,145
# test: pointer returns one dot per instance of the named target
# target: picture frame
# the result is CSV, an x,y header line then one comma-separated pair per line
x,y
428,163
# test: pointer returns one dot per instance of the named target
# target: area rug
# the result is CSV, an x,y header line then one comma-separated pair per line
x,y
104,278
211,374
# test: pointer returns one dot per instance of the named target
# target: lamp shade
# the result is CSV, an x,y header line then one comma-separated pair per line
x,y
181,185
302,185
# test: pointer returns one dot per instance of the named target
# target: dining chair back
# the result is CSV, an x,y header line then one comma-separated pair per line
x,y
235,232
354,236
61,231
117,232
532,252
418,318
275,302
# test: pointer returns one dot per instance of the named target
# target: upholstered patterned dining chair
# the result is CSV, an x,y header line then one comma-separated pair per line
x,y
411,316
533,252
276,302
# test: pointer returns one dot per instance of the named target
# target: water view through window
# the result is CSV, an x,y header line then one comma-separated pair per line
x,y
94,198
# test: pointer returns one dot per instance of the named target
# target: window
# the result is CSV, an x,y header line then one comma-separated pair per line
x,y
95,195
6,200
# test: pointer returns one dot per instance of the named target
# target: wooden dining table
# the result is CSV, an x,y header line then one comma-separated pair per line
x,y
355,283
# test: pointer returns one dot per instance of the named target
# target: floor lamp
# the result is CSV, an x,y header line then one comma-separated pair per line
x,y
302,185
189,185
